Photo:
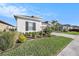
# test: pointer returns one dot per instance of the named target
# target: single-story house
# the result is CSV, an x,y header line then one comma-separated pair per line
x,y
69,27
65,27
28,23
4,26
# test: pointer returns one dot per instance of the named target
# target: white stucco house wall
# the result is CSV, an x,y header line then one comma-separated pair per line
x,y
28,23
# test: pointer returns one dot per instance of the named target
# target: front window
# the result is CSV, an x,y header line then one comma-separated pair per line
x,y
30,26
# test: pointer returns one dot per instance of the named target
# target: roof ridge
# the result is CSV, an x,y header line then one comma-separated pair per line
x,y
28,16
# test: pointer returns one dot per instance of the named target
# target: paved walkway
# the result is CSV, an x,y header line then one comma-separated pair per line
x,y
73,47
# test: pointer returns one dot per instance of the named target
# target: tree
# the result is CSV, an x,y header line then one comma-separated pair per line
x,y
47,31
56,25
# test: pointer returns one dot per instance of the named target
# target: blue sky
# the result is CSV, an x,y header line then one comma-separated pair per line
x,y
64,13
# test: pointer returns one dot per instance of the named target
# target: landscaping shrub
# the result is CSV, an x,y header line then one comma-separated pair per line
x,y
27,35
32,34
42,33
38,35
22,38
7,40
47,31
11,29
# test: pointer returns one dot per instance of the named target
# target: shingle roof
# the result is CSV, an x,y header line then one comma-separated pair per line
x,y
30,17
6,23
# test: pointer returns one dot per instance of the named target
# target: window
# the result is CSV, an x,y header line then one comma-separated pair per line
x,y
30,26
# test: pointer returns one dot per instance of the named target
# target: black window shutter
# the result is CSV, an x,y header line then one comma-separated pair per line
x,y
26,26
34,26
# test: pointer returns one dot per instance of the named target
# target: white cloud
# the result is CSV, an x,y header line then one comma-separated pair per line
x,y
10,10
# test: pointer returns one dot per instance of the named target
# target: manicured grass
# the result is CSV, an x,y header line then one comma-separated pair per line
x,y
73,33
40,47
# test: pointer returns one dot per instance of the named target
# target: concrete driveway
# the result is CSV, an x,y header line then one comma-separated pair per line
x,y
73,47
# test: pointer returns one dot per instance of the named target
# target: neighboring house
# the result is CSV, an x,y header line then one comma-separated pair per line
x,y
46,24
5,26
66,27
75,27
28,23
69,27
49,24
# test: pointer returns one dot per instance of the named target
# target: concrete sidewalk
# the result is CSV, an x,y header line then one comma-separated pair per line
x,y
73,47
65,35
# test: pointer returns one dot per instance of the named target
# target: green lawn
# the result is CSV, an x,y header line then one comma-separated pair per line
x,y
40,47
73,33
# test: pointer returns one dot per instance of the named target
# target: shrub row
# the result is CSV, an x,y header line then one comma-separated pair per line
x,y
45,33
